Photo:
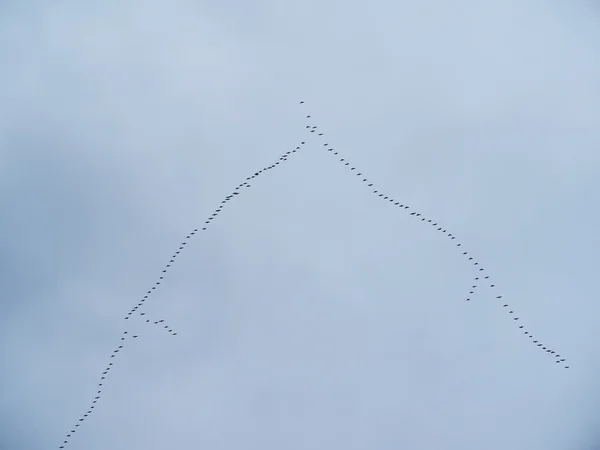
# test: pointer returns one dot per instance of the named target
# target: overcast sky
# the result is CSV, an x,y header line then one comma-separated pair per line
x,y
311,314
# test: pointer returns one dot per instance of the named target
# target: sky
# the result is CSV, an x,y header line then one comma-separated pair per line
x,y
311,313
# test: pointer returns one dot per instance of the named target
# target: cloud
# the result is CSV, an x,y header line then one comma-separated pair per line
x,y
310,314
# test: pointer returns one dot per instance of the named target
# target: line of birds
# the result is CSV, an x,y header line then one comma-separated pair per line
x,y
97,397
351,168
246,184
283,158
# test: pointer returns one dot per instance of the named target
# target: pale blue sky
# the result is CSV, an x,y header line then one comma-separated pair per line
x,y
310,314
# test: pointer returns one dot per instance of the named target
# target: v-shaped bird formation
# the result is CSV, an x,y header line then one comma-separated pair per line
x,y
482,276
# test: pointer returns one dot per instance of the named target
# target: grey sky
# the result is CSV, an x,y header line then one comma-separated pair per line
x,y
310,314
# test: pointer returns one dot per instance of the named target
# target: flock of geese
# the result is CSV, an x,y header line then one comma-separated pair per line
x,y
481,277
